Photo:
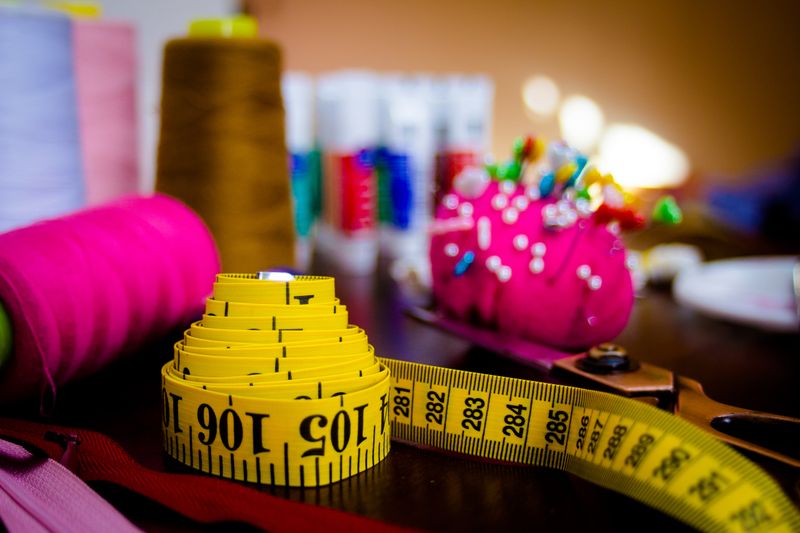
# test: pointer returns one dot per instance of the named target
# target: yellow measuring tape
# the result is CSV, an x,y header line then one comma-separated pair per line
x,y
274,387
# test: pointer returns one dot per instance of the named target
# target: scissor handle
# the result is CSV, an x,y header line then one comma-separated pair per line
x,y
749,430
739,427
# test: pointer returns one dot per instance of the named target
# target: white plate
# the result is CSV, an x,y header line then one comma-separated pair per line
x,y
754,291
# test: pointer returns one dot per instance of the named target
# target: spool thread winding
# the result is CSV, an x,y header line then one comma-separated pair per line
x,y
41,173
105,69
222,148
82,290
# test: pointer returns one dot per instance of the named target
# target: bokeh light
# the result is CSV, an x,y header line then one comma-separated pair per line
x,y
541,95
581,121
639,158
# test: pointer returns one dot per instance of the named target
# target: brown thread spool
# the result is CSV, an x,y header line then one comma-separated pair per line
x,y
222,147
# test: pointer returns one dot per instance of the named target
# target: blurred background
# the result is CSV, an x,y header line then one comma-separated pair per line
x,y
353,118
717,79
702,90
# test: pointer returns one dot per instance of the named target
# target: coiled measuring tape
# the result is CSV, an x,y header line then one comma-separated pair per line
x,y
274,387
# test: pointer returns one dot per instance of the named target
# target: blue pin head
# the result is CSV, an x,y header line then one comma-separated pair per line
x,y
547,184
464,263
580,162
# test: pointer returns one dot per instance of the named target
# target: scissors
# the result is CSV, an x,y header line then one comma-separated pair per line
x,y
609,368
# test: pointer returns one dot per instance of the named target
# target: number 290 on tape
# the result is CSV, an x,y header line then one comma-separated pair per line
x,y
273,386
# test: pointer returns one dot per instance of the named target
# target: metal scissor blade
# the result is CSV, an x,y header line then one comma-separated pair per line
x,y
770,435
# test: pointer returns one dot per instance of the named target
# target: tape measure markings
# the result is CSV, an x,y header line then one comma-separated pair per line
x,y
216,307
665,461
246,288
256,427
179,453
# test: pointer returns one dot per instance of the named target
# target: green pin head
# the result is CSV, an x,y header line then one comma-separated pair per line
x,y
666,211
510,171
583,193
518,149
492,170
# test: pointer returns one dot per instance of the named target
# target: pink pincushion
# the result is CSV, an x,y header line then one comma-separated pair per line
x,y
571,293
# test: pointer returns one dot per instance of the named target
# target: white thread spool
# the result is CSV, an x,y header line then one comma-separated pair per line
x,y
40,154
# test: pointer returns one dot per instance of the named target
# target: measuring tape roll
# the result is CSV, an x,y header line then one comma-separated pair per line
x,y
621,444
312,406
272,386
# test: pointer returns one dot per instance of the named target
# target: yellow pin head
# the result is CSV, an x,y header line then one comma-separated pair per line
x,y
564,173
592,176
537,149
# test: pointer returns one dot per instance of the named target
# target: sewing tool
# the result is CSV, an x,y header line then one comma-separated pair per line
x,y
539,235
273,388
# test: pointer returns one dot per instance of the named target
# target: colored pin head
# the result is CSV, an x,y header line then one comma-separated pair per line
x,y
666,211
533,250
464,263
565,175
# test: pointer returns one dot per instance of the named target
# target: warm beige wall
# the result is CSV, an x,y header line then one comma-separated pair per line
x,y
719,78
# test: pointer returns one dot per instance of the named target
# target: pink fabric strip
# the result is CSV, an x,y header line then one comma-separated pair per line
x,y
39,494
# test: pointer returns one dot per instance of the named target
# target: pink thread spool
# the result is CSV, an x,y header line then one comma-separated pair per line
x,y
105,72
87,288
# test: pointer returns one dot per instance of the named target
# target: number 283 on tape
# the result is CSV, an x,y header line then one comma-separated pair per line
x,y
273,386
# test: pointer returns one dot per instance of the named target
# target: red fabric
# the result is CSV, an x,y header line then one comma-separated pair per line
x,y
628,218
201,498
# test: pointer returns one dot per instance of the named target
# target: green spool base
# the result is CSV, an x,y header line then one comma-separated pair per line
x,y
5,337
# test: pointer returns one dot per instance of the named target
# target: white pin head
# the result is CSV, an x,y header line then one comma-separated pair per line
x,y
510,215
504,273
450,201
465,209
583,272
520,203
520,242
471,182
499,201
508,187
451,249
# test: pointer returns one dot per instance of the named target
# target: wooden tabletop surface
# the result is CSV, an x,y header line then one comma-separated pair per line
x,y
435,491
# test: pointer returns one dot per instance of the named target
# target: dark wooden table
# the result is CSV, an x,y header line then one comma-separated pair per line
x,y
435,491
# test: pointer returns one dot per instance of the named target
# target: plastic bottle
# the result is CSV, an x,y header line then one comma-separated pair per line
x,y
407,159
348,131
464,126
298,99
